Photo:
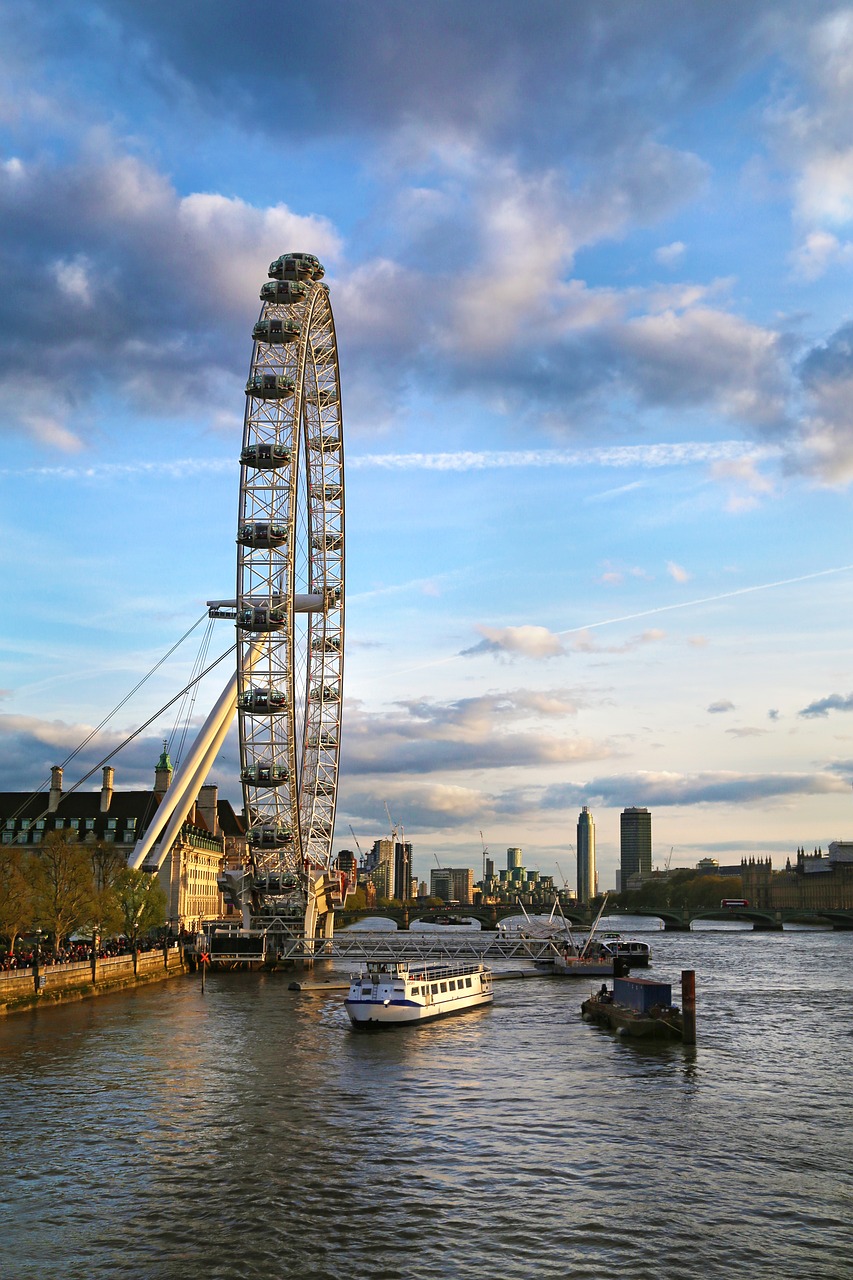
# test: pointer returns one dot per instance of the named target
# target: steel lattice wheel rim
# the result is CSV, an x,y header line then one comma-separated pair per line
x,y
290,585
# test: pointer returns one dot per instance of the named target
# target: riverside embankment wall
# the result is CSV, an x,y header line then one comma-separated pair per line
x,y
52,984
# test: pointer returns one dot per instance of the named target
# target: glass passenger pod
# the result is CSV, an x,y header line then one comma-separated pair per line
x,y
261,534
324,443
323,356
276,331
324,397
275,883
264,775
270,386
327,542
284,291
296,266
326,738
325,693
262,701
326,644
330,492
270,837
265,457
324,788
262,617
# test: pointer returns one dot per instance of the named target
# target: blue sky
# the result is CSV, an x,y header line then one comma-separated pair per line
x,y
591,269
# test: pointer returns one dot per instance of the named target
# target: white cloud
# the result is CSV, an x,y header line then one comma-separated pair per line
x,y
703,355
676,571
73,279
526,641
670,788
819,251
669,255
746,484
824,190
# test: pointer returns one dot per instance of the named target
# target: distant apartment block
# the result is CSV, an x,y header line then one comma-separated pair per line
x,y
452,884
635,827
396,859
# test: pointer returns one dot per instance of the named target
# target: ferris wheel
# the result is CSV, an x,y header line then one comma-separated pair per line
x,y
290,591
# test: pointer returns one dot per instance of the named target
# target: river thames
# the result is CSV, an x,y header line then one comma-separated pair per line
x,y
248,1132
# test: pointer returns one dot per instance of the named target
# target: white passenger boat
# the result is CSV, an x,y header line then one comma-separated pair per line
x,y
393,993
636,954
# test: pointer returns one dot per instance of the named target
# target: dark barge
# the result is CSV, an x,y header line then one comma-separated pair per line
x,y
643,1008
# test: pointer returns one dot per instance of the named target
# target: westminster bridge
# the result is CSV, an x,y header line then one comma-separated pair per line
x,y
675,919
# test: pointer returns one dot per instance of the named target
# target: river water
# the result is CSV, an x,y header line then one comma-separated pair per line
x,y
248,1132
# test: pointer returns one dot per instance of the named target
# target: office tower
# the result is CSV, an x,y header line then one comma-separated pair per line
x,y
403,870
587,878
346,861
513,859
636,843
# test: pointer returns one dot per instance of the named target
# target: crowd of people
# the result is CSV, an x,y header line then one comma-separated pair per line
x,y
71,952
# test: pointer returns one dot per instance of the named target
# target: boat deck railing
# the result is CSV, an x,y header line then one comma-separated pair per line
x,y
427,972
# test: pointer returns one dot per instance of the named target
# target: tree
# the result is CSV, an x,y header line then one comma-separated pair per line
x,y
63,886
16,895
108,862
141,903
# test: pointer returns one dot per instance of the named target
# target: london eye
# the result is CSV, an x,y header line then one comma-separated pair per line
x,y
289,609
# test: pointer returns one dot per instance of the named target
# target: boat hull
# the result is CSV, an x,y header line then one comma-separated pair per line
x,y
665,1025
397,995
574,967
364,1014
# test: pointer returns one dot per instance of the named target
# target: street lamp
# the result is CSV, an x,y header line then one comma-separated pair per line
x,y
36,958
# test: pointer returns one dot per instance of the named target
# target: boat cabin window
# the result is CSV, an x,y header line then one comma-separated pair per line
x,y
435,988
467,982
443,986
416,991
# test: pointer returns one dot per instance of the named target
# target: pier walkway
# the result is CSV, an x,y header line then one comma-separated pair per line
x,y
230,950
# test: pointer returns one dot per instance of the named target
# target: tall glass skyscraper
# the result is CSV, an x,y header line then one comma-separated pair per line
x,y
587,877
636,843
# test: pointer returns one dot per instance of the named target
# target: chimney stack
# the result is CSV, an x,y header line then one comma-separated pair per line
x,y
55,788
107,788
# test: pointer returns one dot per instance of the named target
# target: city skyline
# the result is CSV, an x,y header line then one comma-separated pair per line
x,y
591,275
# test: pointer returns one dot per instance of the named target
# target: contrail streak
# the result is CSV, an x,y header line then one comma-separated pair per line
x,y
686,604
689,453
670,454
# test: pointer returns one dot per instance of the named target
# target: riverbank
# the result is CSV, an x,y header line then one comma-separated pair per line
x,y
56,984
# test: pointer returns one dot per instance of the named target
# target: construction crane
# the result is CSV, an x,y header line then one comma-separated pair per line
x,y
669,859
562,877
391,823
357,845
485,855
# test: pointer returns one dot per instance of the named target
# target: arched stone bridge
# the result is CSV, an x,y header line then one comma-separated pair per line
x,y
674,919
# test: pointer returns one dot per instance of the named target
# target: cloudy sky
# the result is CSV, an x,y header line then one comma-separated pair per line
x,y
591,268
